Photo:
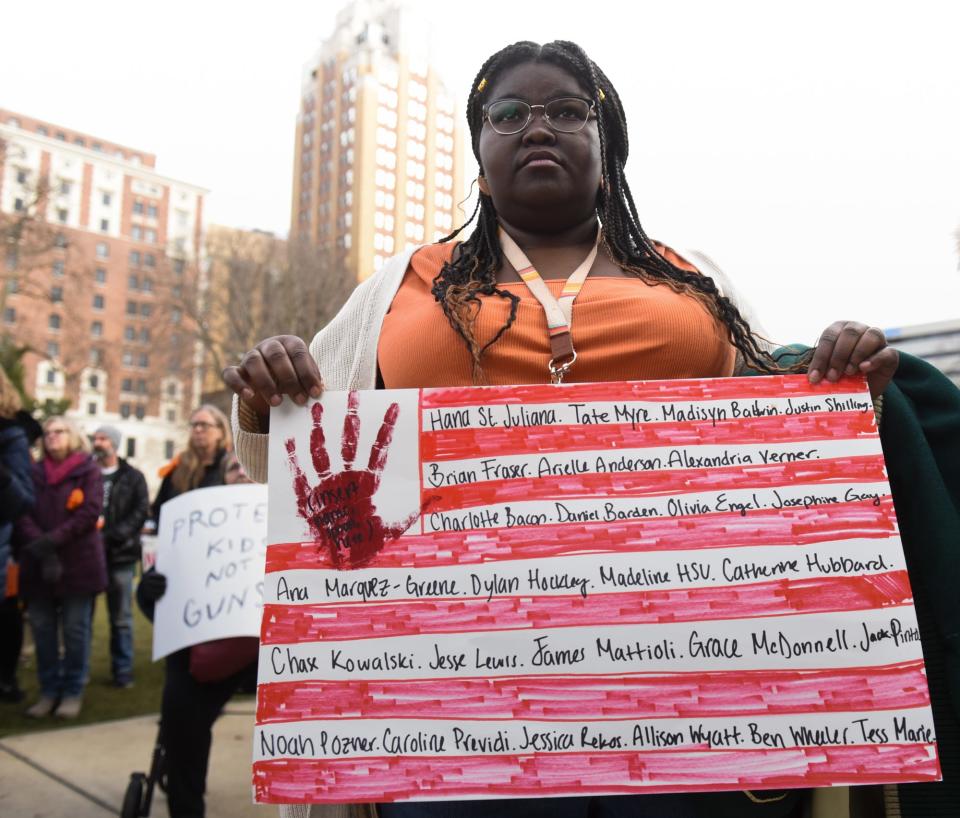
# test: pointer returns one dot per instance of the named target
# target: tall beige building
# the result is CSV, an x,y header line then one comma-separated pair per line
x,y
379,141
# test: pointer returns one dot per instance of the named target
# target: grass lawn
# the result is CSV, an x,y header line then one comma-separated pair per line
x,y
101,701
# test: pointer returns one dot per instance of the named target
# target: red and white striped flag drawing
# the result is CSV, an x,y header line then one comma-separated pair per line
x,y
596,588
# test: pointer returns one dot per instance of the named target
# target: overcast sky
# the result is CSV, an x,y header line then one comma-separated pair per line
x,y
812,150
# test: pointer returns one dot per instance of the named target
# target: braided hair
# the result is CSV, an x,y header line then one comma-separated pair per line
x,y
472,271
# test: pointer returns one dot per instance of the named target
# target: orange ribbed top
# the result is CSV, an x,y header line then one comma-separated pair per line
x,y
623,329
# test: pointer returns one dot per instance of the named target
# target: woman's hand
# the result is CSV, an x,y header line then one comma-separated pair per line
x,y
846,347
281,365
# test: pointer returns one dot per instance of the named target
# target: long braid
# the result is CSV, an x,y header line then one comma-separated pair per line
x,y
472,272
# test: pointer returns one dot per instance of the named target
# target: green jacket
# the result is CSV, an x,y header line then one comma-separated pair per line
x,y
920,434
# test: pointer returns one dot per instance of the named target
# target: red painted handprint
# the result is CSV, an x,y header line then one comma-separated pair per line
x,y
339,509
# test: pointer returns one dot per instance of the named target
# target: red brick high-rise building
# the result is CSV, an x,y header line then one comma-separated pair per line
x,y
100,250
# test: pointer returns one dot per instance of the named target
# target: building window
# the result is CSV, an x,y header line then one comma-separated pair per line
x,y
131,308
129,334
178,266
136,232
21,176
65,187
92,408
96,329
141,386
98,302
106,199
100,275
135,258
125,413
62,215
51,376
54,321
56,295
94,381
152,211
168,445
126,385
133,282
147,286
104,225
53,349
140,412
150,235
146,310
18,205
128,358
57,268
103,249
96,357
9,315
138,207
149,260
144,360
131,441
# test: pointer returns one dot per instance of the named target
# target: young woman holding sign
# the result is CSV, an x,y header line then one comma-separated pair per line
x,y
557,282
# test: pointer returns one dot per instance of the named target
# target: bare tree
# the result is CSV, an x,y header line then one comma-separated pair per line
x,y
255,286
40,267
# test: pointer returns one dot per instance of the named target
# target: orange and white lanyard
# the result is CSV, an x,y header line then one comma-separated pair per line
x,y
559,312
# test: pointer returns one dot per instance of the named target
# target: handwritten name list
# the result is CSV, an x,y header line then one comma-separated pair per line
x,y
609,588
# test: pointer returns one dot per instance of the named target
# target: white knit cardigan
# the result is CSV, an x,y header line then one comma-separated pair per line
x,y
346,354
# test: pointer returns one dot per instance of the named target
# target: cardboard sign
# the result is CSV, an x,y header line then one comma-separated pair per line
x,y
210,546
595,588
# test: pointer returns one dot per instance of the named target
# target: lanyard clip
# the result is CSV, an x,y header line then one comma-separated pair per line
x,y
559,371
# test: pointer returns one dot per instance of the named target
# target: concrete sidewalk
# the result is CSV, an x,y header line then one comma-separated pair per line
x,y
82,772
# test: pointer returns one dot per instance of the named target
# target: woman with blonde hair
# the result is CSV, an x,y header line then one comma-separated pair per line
x,y
192,700
62,564
201,464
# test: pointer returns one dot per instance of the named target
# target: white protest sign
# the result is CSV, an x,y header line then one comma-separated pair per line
x,y
210,546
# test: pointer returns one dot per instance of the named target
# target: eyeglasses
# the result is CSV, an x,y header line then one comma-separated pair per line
x,y
201,424
565,115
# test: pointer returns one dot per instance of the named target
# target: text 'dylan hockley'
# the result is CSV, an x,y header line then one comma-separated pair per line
x,y
678,585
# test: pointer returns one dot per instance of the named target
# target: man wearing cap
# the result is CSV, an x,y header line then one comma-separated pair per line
x,y
125,508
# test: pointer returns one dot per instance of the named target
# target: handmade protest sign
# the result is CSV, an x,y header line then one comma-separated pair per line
x,y
210,546
594,588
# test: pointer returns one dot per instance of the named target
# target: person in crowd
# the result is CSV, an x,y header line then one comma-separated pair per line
x,y
126,505
62,565
549,134
16,497
201,464
190,706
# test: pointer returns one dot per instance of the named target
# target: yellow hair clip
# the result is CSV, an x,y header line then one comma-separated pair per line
x,y
482,85
603,96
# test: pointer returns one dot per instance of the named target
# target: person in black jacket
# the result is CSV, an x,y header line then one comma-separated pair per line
x,y
189,706
18,431
125,508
